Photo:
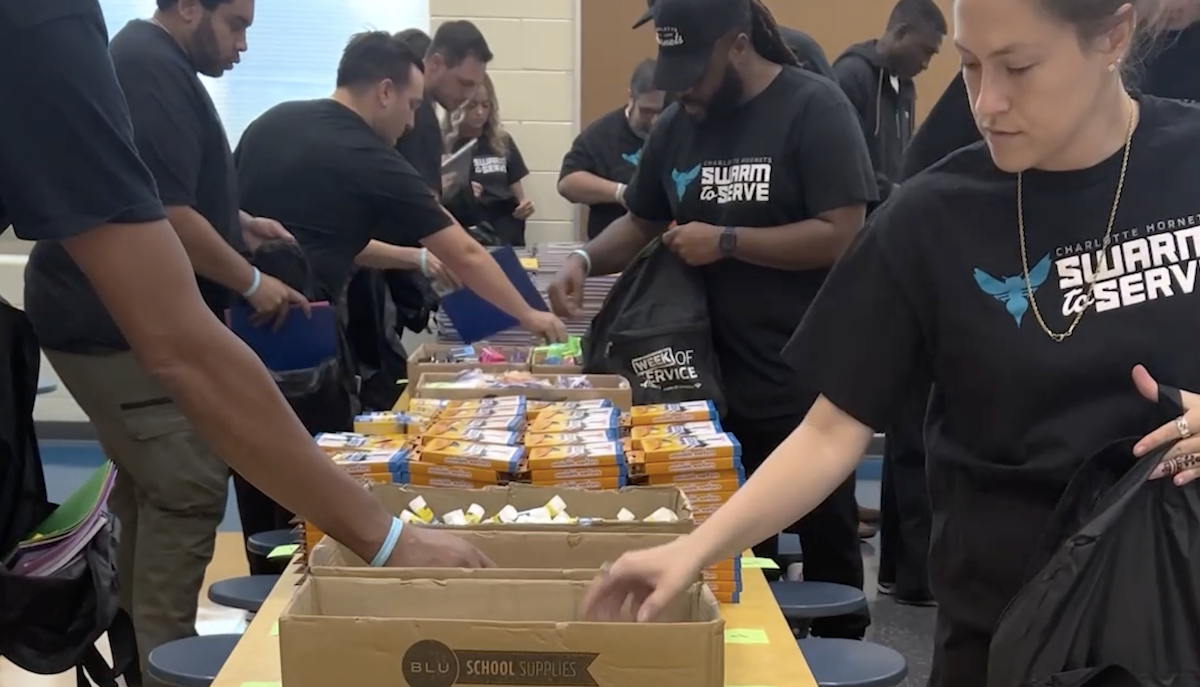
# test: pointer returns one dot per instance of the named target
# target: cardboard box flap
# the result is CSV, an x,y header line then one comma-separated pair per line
x,y
516,551
511,601
612,387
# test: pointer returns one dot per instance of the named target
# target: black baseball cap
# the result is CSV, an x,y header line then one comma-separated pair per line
x,y
687,31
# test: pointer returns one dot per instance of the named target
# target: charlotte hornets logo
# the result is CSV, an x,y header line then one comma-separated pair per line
x,y
683,180
633,158
1011,291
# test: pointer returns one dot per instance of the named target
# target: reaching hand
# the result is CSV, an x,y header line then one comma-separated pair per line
x,y
566,291
649,579
696,243
477,188
547,325
273,300
261,229
524,210
1182,462
422,547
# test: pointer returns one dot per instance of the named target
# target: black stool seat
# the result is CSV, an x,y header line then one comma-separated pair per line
x,y
247,593
263,543
191,662
851,663
807,600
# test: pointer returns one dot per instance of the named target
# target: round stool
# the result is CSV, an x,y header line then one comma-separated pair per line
x,y
191,662
247,593
263,543
803,602
851,663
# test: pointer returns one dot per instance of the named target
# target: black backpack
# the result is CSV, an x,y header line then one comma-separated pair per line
x,y
1116,599
50,625
654,330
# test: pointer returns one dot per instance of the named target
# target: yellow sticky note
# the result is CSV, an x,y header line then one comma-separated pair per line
x,y
530,264
760,563
275,629
285,551
746,636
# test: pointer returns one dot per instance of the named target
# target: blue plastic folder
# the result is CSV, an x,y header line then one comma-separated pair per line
x,y
301,343
476,319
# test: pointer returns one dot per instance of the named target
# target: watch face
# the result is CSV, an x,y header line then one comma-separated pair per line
x,y
728,241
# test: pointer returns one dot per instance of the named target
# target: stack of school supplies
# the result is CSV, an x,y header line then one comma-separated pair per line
x,y
576,445
63,537
683,445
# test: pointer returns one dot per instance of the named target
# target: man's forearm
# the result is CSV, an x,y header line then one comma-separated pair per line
x,y
588,189
807,245
384,256
211,255
141,274
620,243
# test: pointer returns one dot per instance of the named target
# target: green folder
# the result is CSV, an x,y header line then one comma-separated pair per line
x,y
74,510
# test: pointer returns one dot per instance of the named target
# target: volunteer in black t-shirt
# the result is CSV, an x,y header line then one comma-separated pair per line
x,y
764,169
327,170
601,161
454,67
496,195
1035,273
70,172
170,488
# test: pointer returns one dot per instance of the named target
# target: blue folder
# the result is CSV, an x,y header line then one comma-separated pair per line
x,y
301,343
476,319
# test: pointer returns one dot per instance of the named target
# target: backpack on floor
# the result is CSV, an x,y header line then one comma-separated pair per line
x,y
1116,599
654,330
50,625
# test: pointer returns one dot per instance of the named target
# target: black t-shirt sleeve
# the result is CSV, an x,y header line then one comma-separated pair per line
x,y
68,162
167,128
517,170
830,154
949,126
646,195
422,146
861,340
580,157
408,211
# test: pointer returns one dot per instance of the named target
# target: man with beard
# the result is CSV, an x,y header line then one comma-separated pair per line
x,y
454,66
765,172
170,493
604,156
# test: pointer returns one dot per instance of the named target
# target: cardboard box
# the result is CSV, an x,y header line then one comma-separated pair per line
x,y
611,387
641,501
440,633
517,555
418,362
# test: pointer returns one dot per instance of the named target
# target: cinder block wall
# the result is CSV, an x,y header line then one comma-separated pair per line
x,y
535,43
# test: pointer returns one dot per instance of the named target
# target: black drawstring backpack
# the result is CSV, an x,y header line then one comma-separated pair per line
x,y
50,625
654,330
1116,601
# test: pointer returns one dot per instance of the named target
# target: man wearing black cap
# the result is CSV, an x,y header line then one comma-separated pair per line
x,y
764,169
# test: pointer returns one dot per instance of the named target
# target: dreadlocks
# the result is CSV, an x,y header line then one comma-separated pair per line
x,y
764,36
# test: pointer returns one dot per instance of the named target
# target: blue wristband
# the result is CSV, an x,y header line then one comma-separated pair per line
x,y
424,261
254,284
587,261
389,544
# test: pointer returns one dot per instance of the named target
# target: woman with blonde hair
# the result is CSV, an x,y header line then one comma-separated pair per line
x,y
497,167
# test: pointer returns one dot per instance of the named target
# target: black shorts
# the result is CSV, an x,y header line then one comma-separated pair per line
x,y
67,158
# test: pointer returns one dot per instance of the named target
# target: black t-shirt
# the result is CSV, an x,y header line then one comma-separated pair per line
x,y
68,163
937,278
610,149
496,173
423,146
320,170
793,152
180,138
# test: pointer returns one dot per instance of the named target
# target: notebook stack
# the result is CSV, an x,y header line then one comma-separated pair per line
x,y
549,258
63,537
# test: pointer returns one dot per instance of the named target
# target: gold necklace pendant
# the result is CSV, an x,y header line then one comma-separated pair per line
x,y
1059,337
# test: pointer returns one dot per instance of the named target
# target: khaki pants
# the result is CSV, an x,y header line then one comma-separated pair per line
x,y
170,492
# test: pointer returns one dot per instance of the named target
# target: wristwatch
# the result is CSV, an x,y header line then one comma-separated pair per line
x,y
728,242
